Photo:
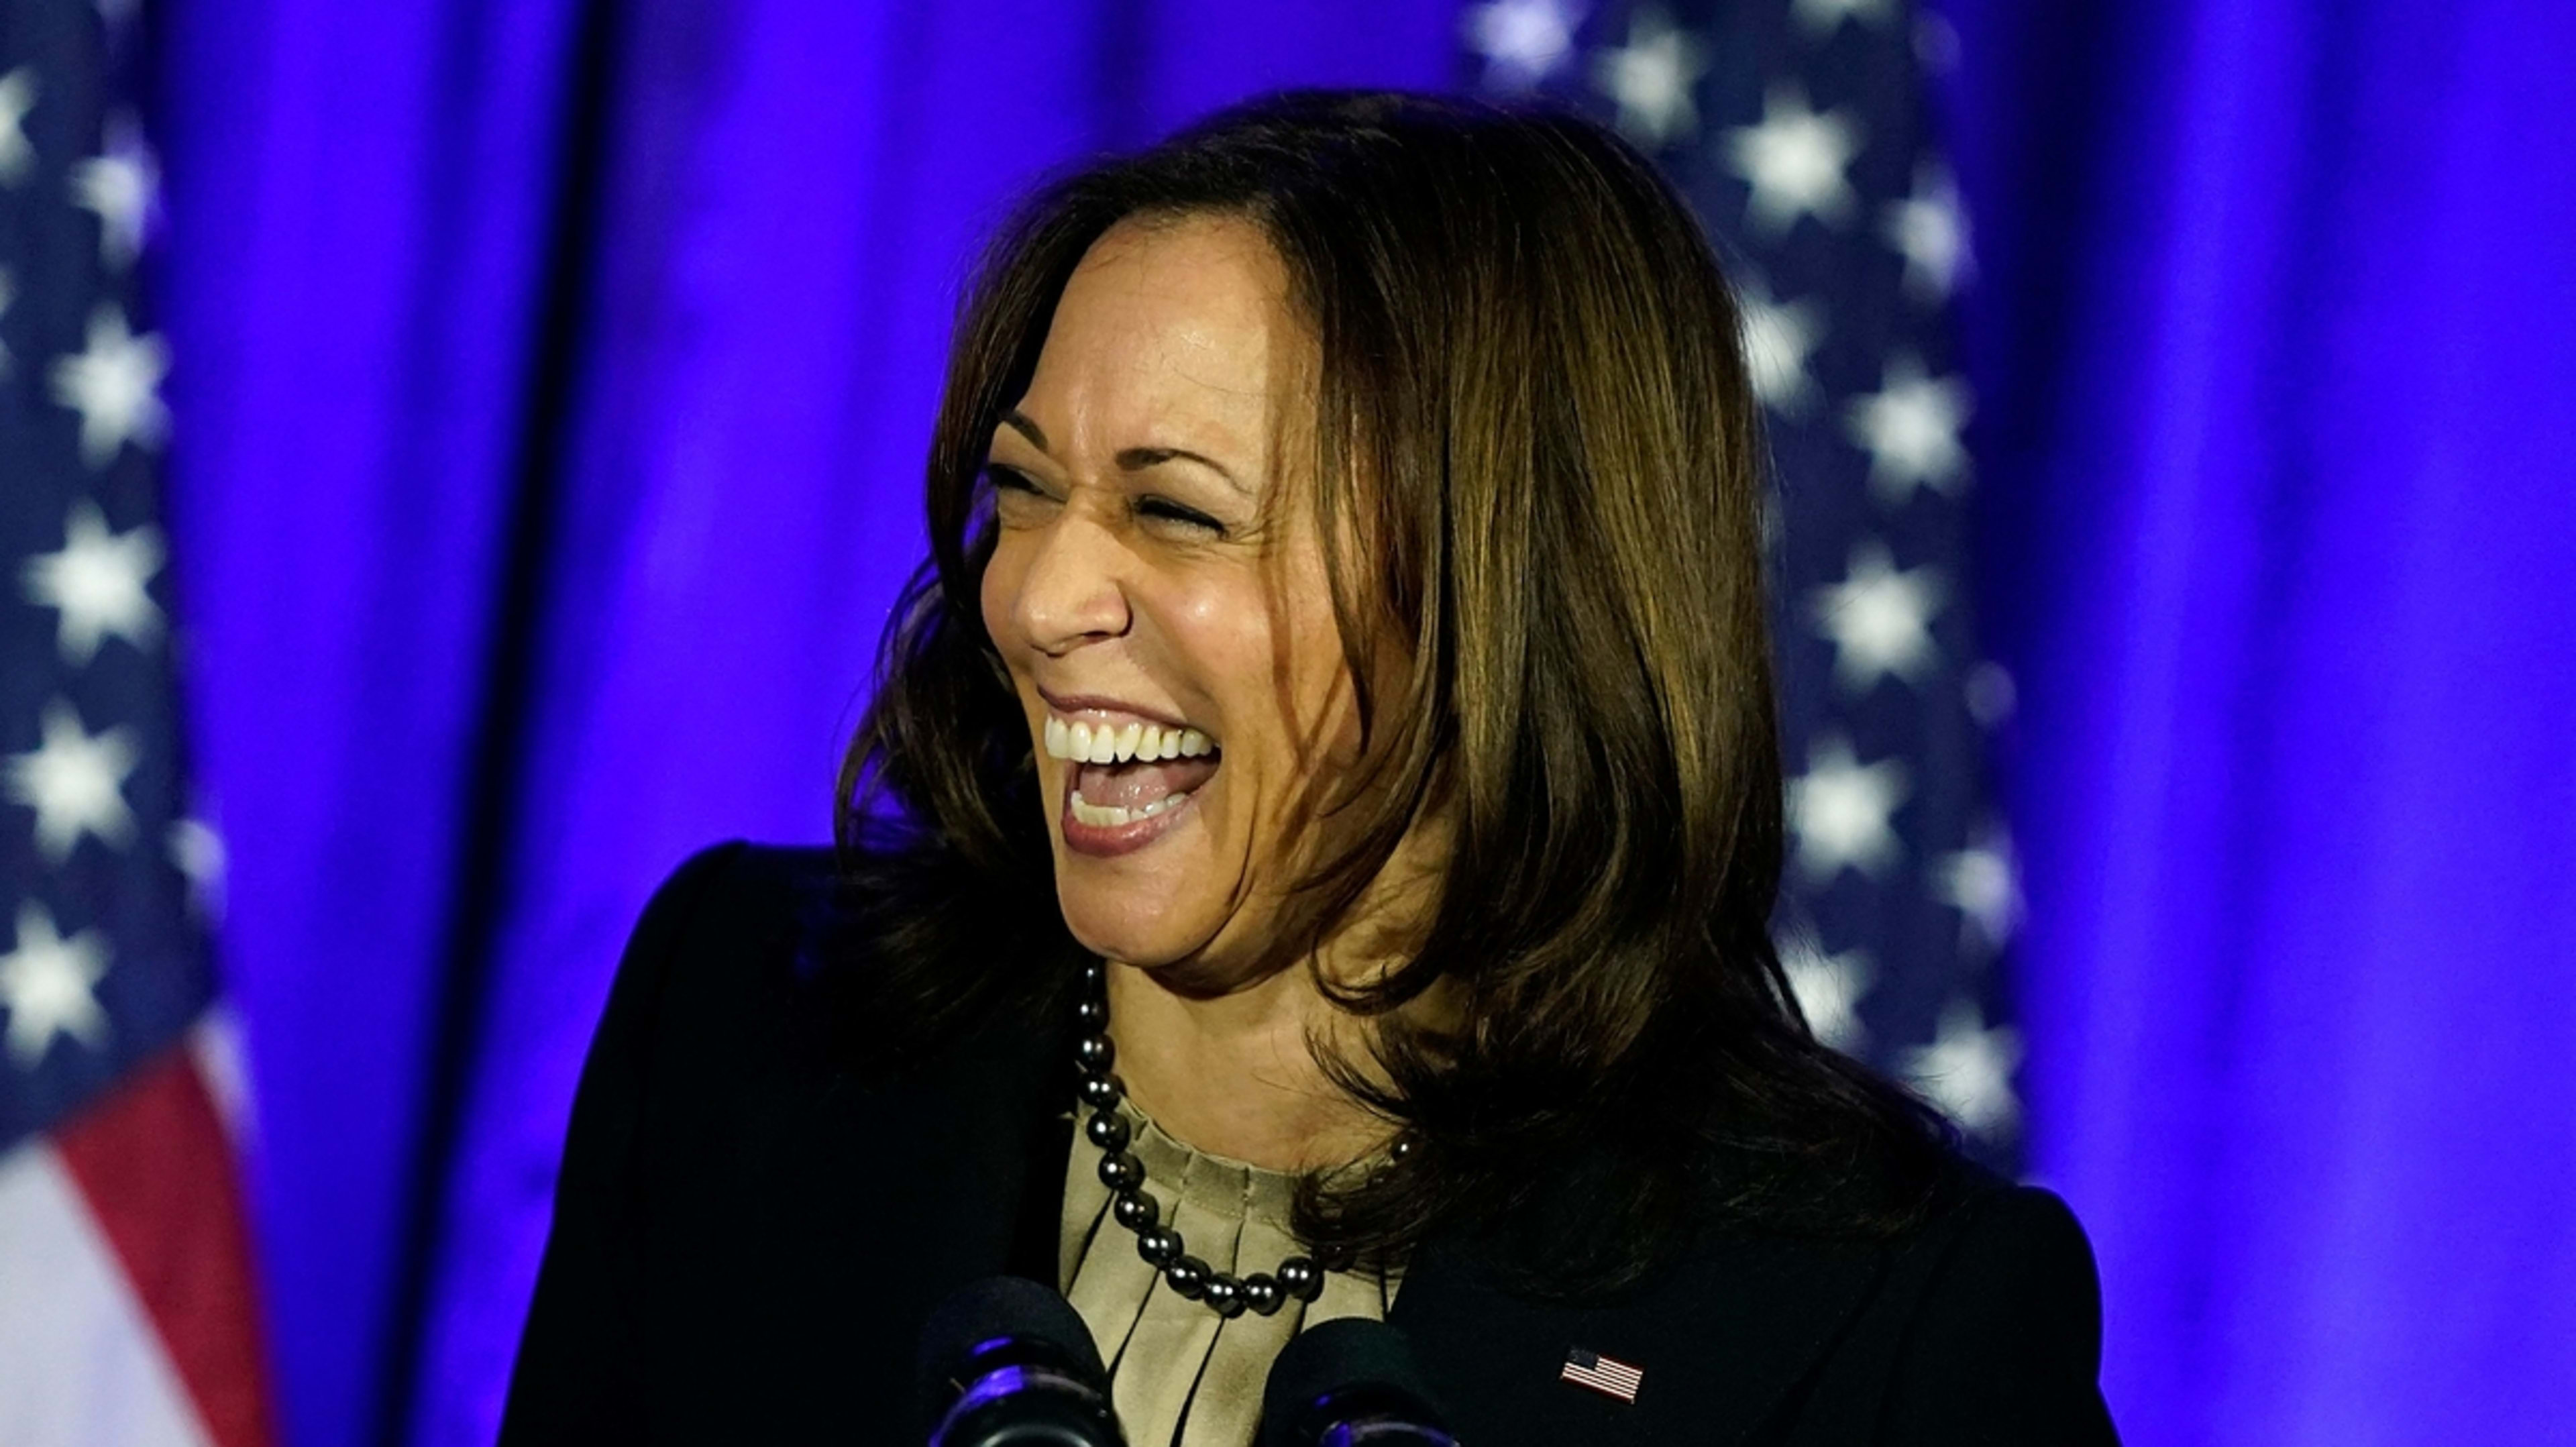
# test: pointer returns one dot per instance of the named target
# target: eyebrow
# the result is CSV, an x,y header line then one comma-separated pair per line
x,y
1132,459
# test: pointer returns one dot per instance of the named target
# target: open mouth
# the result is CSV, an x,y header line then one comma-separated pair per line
x,y
1128,779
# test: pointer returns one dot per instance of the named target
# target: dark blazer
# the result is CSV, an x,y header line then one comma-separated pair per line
x,y
747,1239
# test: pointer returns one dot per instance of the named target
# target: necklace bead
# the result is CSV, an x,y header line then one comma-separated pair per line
x,y
1108,1132
1120,1171
1187,1276
1299,1278
1094,1054
1261,1292
1224,1294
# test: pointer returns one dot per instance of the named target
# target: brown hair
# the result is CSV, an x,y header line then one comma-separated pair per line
x,y
1533,415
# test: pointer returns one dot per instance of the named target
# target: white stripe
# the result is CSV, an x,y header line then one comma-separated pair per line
x,y
80,1362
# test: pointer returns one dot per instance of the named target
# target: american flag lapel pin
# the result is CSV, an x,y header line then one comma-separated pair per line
x,y
1609,1376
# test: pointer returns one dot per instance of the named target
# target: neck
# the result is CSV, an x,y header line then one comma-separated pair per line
x,y
1233,1074
1231,1071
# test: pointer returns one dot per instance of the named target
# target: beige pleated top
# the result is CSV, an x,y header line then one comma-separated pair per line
x,y
1180,1375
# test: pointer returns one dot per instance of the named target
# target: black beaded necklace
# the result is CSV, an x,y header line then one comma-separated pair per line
x,y
1222,1292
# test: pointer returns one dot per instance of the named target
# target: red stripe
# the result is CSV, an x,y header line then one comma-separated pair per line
x,y
152,1158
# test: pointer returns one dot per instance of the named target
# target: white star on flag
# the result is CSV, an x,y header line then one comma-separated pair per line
x,y
1931,228
47,983
1823,17
120,184
17,97
1778,339
1984,885
1840,808
99,582
1936,43
75,781
198,851
1910,429
1879,619
1794,161
1522,41
1967,1071
1990,693
1651,79
1830,988
115,386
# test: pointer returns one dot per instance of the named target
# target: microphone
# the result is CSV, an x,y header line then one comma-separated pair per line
x,y
1349,1382
1007,1363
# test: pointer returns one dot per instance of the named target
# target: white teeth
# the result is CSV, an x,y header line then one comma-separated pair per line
x,y
1084,743
1110,816
1098,816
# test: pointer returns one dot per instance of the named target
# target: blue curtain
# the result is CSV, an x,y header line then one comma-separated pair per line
x,y
552,383
360,200
2279,338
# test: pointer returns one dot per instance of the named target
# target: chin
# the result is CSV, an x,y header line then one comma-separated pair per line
x,y
1125,912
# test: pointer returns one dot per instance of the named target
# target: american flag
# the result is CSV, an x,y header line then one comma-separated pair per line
x,y
1799,131
125,1280
1606,1375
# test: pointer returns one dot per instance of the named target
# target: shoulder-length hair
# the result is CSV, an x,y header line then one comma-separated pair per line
x,y
1540,472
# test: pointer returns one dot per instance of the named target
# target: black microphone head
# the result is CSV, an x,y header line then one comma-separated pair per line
x,y
1000,1309
1340,1371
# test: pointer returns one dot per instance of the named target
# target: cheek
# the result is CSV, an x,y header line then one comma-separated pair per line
x,y
1271,664
1219,632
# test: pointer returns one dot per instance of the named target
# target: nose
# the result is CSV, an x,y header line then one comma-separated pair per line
x,y
1073,591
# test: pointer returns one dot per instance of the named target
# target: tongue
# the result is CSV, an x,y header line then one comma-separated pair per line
x,y
1132,786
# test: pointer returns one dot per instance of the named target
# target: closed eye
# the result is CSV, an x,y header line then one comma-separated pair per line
x,y
1165,509
1010,479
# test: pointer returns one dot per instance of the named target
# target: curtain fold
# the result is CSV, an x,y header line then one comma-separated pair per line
x,y
358,201
2278,541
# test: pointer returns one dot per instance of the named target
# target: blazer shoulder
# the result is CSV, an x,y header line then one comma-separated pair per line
x,y
1989,1329
727,891
2021,1278
730,899
723,958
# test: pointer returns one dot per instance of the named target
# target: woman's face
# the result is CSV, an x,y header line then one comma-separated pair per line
x,y
1157,590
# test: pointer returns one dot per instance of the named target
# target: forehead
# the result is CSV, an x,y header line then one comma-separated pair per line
x,y
1172,332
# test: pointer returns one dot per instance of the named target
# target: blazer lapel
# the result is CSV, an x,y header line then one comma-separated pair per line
x,y
883,1198
1720,1338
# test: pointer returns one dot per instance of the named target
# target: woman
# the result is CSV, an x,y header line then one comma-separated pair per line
x,y
1310,855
